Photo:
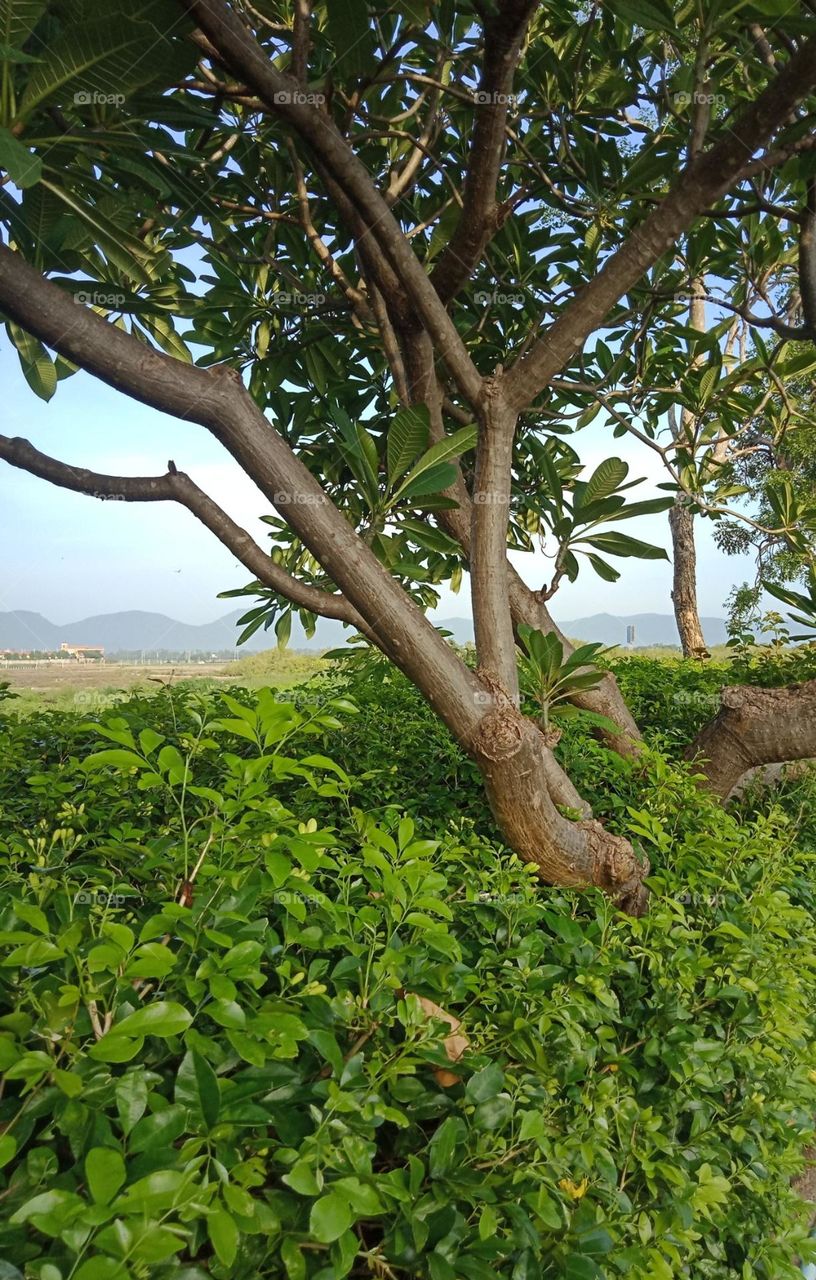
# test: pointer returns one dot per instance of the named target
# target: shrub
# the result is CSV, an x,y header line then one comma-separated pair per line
x,y
220,1050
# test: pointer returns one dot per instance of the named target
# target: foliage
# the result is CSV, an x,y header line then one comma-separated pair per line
x,y
548,679
230,1072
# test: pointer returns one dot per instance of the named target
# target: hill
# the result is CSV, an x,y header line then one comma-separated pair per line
x,y
157,633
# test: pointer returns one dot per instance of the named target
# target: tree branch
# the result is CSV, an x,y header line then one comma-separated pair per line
x,y
284,98
480,218
703,181
753,727
217,399
176,486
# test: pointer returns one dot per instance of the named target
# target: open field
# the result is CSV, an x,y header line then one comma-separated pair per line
x,y
93,686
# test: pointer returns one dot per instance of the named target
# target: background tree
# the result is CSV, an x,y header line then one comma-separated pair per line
x,y
420,246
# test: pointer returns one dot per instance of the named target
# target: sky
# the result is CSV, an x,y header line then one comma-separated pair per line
x,y
68,556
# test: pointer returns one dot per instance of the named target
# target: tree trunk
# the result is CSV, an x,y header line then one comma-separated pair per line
x,y
520,776
755,727
684,592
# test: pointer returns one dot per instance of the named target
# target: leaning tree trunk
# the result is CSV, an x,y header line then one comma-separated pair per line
x,y
755,727
684,590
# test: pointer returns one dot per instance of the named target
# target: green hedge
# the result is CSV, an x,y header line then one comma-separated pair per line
x,y
246,1084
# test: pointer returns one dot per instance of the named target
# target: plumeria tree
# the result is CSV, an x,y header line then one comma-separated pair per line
x,y
395,257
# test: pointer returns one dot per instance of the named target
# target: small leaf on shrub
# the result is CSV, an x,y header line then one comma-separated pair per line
x,y
223,1232
329,1218
105,1171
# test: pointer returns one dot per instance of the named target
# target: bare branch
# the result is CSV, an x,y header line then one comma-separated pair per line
x,y
705,180
176,486
217,399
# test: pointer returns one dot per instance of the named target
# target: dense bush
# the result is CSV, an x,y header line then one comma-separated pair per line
x,y
220,1052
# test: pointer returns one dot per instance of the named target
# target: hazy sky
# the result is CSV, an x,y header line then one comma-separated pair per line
x,y
68,556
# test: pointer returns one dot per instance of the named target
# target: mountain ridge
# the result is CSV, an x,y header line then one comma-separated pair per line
x,y
140,629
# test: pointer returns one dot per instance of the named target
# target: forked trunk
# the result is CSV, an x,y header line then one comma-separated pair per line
x,y
521,778
684,591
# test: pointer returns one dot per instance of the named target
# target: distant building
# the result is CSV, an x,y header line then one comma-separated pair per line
x,y
630,636
82,652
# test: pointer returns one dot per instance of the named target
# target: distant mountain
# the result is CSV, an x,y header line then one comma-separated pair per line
x,y
650,629
154,632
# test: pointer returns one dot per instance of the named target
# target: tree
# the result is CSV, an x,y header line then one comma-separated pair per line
x,y
395,230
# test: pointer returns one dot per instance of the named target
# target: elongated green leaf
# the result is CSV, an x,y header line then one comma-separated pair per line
x,y
407,437
621,544
163,1018
607,477
38,368
452,447
22,166
349,29
121,248
18,18
101,60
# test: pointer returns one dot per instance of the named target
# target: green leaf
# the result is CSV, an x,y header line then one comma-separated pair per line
x,y
38,368
8,1148
120,759
197,1086
407,437
451,447
102,60
119,246
105,1173
621,544
223,1232
23,167
485,1084
330,1217
164,1018
349,29
18,18
131,1098
605,480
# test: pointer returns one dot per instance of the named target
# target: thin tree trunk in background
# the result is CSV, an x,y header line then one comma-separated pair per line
x,y
684,588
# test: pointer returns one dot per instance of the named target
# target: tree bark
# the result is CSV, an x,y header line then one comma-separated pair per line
x,y
684,590
755,727
514,760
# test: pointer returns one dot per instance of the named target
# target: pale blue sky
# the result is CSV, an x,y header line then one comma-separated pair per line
x,y
68,556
